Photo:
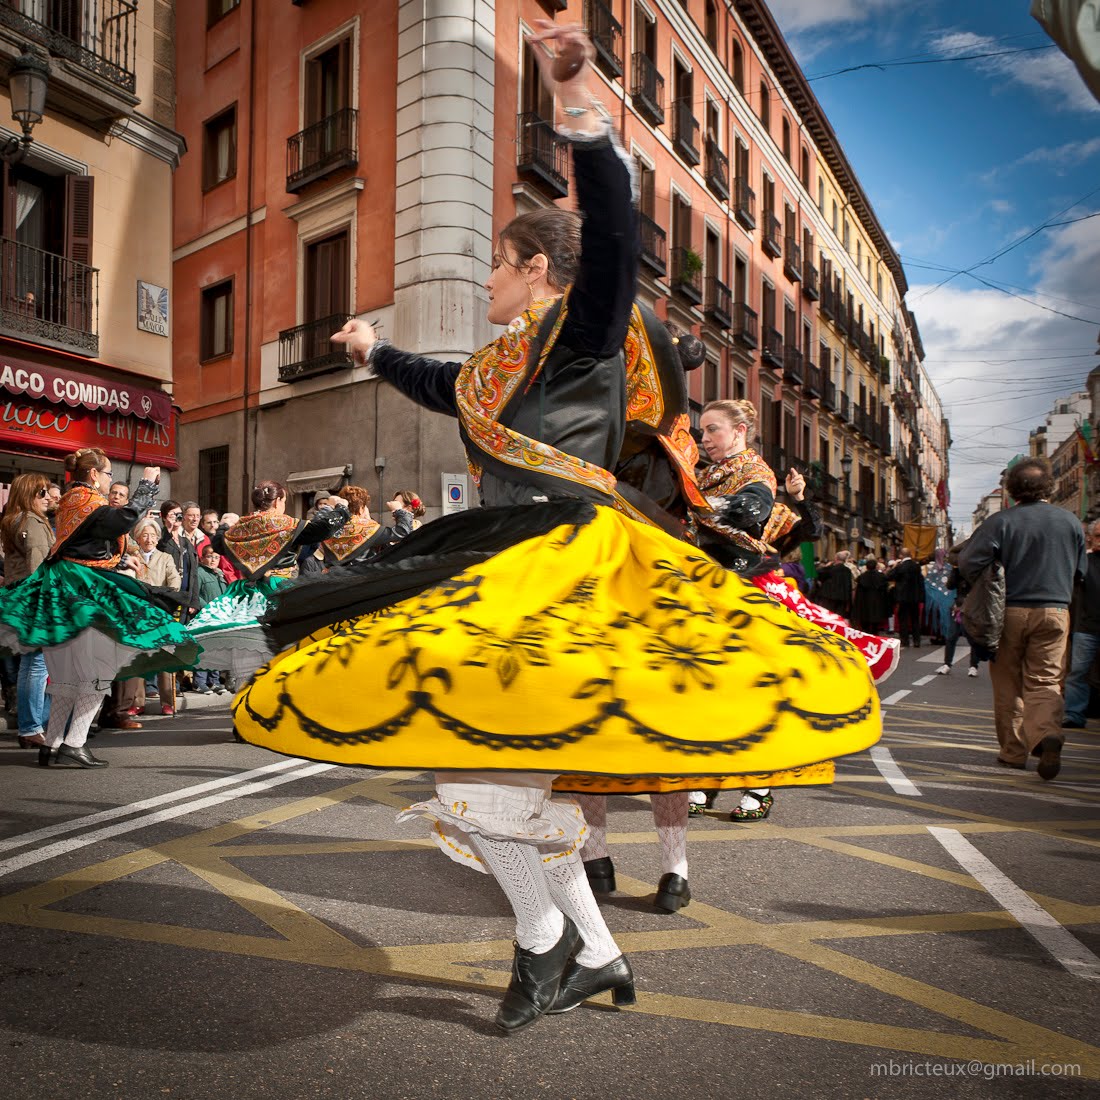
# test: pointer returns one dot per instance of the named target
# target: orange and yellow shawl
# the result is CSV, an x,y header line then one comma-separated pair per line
x,y
257,539
727,479
76,505
352,536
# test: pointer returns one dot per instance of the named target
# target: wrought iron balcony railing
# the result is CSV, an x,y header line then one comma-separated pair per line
x,y
772,351
323,148
48,299
718,170
687,274
792,365
717,307
606,33
542,157
809,280
654,244
98,35
746,328
744,203
792,259
772,229
648,88
308,350
685,132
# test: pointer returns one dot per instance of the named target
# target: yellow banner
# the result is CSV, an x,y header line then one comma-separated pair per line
x,y
921,540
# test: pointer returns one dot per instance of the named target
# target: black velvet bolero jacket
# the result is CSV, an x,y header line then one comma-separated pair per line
x,y
579,402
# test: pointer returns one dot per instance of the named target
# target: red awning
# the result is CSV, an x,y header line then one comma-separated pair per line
x,y
21,377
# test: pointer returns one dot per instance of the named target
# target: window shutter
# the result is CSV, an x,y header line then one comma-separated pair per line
x,y
78,218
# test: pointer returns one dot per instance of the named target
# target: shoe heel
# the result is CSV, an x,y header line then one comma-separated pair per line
x,y
623,995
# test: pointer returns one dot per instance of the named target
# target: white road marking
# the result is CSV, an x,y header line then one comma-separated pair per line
x,y
62,847
78,823
924,680
937,655
890,771
897,697
1066,949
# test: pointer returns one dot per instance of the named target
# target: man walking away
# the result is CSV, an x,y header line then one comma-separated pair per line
x,y
908,584
1085,643
1042,550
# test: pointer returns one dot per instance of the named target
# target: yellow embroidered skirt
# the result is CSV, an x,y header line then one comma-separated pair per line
x,y
599,648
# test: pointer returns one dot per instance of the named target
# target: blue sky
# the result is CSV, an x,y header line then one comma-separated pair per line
x,y
961,160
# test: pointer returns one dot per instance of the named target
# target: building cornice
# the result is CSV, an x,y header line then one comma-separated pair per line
x,y
151,137
760,24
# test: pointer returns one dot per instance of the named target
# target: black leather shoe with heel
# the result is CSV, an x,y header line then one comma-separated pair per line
x,y
582,982
46,756
67,754
673,893
536,980
601,875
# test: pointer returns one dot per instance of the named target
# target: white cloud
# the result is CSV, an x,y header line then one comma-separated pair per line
x,y
1063,157
1001,206
799,15
1048,72
971,334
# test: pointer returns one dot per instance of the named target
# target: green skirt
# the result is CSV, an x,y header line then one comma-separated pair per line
x,y
60,599
229,628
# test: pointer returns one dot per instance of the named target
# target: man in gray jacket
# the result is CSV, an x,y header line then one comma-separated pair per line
x,y
1042,550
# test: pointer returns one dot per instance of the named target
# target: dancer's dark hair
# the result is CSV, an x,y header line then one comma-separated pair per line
x,y
265,493
553,232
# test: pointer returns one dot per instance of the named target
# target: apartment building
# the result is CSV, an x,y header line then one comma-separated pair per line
x,y
85,242
343,173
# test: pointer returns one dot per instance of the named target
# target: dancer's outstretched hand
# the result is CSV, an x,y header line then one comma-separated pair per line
x,y
358,337
566,41
796,484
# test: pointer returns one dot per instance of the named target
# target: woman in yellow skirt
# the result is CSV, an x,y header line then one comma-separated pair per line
x,y
554,630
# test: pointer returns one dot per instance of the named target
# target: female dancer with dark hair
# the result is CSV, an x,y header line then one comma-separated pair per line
x,y
362,536
412,503
263,546
91,621
552,630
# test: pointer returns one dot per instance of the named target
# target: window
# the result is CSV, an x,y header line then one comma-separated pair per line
x,y
710,382
647,188
804,172
327,277
712,254
765,105
216,321
681,222
741,160
710,24
214,478
821,195
847,237
737,66
740,278
645,33
534,98
879,283
217,9
859,252
714,122
786,144
328,82
219,148
767,194
767,304
835,223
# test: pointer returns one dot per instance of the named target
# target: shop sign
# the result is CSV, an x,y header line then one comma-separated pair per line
x,y
42,383
32,425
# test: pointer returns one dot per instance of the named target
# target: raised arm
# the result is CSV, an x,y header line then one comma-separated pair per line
x,y
428,382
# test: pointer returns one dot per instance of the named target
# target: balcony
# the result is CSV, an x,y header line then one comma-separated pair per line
x,y
100,38
792,259
744,204
745,326
770,242
654,244
687,274
772,351
811,380
606,33
809,280
323,148
717,308
792,365
718,170
845,408
685,132
308,350
828,310
648,89
48,299
776,457
828,395
542,158
885,371
851,329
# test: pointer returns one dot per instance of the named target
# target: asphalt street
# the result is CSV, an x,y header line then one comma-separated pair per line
x,y
205,919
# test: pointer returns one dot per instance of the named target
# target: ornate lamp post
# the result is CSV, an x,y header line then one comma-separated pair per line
x,y
28,81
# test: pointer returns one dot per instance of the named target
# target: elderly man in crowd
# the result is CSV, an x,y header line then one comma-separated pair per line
x,y
1042,550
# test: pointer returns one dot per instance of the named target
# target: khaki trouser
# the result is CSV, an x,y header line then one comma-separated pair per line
x,y
1027,679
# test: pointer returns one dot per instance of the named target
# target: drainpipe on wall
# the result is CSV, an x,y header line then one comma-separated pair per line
x,y
248,454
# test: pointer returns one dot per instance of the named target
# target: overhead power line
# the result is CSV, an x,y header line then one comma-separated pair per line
x,y
883,65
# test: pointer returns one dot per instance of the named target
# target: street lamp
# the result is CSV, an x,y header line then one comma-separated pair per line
x,y
28,79
846,468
